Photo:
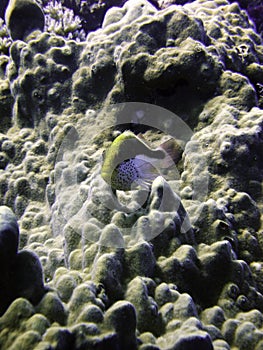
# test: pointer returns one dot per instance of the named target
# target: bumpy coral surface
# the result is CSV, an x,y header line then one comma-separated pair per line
x,y
178,266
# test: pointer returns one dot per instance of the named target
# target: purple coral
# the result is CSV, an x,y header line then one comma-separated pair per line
x,y
62,21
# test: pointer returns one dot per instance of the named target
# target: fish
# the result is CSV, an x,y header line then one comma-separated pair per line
x,y
130,162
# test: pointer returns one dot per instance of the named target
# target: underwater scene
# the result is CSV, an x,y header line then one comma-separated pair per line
x,y
131,175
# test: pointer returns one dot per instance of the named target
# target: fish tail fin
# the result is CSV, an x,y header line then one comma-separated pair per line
x,y
173,150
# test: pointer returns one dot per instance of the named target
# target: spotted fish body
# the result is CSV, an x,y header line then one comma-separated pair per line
x,y
124,175
133,172
129,162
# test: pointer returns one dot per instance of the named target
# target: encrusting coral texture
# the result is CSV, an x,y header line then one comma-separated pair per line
x,y
174,266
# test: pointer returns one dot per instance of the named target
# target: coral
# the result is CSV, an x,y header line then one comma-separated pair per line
x,y
21,272
52,308
51,69
5,41
122,318
91,13
23,17
62,21
188,336
254,9
6,98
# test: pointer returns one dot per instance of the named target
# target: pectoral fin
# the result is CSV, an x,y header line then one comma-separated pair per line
x,y
146,168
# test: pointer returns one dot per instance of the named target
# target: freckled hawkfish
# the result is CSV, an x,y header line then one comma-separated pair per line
x,y
130,162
